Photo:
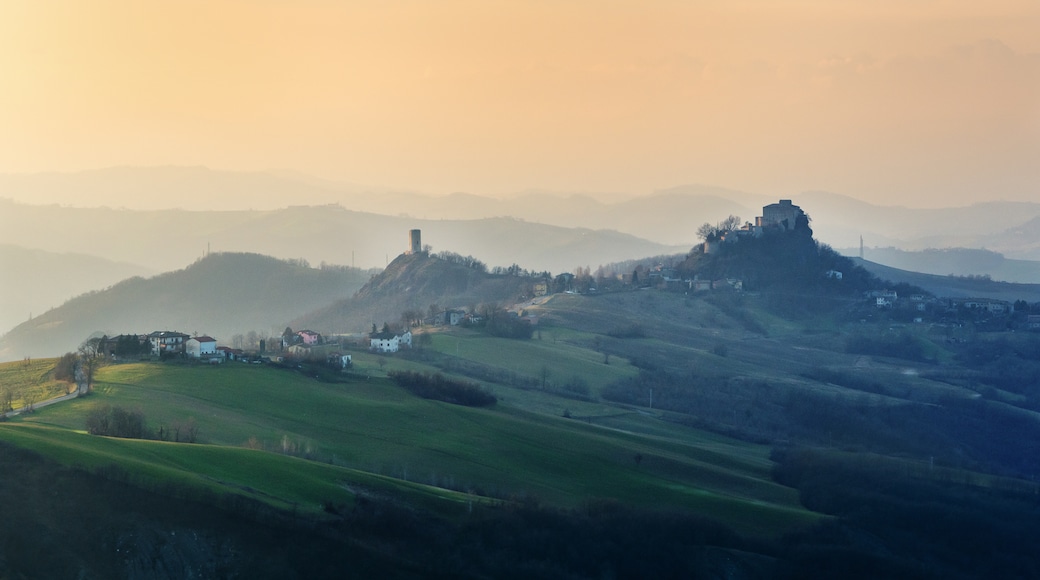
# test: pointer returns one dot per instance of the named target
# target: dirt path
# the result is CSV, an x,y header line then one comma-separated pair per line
x,y
21,410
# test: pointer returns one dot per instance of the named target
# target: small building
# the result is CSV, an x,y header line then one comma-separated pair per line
x,y
700,285
300,350
229,353
339,360
454,317
834,274
991,306
309,337
389,341
889,295
200,346
1033,321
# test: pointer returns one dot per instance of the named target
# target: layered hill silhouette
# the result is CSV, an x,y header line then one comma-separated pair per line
x,y
35,281
220,295
667,216
169,239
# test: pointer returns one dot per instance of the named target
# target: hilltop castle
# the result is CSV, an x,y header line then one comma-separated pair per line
x,y
783,216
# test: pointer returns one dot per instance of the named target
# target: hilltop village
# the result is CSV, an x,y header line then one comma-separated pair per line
x,y
777,250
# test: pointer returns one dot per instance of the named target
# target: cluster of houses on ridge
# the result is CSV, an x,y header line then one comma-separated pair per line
x,y
301,345
168,343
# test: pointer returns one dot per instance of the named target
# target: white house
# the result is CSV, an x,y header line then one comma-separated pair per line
x,y
389,341
200,346
166,341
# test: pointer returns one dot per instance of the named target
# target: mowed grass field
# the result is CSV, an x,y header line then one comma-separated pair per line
x,y
373,428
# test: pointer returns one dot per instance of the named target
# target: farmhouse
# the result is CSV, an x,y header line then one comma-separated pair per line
x,y
309,337
200,346
229,353
390,341
167,342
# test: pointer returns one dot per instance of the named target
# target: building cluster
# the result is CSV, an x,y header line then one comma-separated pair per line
x,y
167,344
783,216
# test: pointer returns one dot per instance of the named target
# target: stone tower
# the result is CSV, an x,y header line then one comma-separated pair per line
x,y
415,241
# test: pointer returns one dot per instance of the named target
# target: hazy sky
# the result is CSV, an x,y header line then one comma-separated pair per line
x,y
913,102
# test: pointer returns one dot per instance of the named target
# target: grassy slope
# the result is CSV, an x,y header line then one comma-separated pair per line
x,y
375,427
35,375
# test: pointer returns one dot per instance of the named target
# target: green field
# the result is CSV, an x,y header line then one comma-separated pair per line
x,y
371,433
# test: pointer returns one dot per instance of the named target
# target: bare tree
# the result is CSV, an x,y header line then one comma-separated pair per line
x,y
89,362
711,233
29,399
411,318
6,399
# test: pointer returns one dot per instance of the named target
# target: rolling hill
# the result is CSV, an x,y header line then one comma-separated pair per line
x,y
955,261
414,282
220,295
955,286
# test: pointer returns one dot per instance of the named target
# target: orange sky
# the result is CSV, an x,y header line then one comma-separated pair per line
x,y
911,102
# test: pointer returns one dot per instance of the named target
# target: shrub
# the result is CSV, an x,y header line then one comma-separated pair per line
x,y
112,421
438,387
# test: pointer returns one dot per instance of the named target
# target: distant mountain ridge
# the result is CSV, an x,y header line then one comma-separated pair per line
x,y
34,281
169,239
220,295
666,216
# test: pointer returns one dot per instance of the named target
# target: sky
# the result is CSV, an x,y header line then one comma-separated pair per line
x,y
920,103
